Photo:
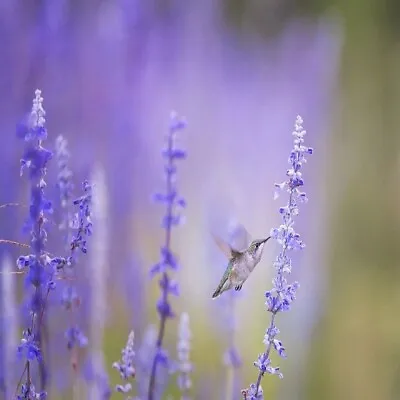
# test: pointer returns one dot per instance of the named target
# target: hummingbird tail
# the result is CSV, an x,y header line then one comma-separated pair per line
x,y
220,289
216,293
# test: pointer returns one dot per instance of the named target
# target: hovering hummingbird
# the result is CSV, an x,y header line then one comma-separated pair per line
x,y
240,265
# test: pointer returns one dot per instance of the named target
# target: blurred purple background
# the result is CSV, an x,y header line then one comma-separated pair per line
x,y
110,73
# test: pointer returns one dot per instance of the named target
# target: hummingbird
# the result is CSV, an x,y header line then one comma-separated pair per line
x,y
240,265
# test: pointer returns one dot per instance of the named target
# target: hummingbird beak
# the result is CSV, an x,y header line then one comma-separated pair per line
x,y
265,240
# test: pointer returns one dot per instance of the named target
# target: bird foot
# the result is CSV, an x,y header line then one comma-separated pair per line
x,y
238,287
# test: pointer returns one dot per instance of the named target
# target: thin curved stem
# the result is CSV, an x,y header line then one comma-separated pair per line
x,y
14,242
285,247
163,316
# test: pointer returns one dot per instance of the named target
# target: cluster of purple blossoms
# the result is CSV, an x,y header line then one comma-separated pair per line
x,y
81,228
39,274
82,222
35,159
29,392
126,366
70,298
41,268
173,202
282,295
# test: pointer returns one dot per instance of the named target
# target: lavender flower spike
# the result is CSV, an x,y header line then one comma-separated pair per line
x,y
282,295
183,348
82,228
77,227
40,276
125,366
173,203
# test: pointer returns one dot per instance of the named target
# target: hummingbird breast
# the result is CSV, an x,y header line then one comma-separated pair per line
x,y
240,271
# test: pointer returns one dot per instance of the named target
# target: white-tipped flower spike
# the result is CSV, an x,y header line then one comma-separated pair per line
x,y
98,275
183,350
126,365
9,314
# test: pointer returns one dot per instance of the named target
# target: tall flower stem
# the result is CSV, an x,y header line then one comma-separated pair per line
x,y
163,316
159,343
40,276
282,295
267,352
172,202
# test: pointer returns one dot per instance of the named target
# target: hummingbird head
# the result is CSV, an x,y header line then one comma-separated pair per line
x,y
257,247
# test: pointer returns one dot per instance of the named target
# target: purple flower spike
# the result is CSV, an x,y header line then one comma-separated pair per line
x,y
28,348
29,392
39,276
282,295
77,227
126,365
172,218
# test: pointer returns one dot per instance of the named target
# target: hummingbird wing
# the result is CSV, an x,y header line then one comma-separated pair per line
x,y
226,248
239,236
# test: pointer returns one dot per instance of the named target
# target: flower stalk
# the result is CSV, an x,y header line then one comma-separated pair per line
x,y
173,203
282,295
